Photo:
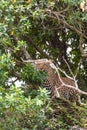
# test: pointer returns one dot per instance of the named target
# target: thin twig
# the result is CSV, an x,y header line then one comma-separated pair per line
x,y
70,70
65,73
68,66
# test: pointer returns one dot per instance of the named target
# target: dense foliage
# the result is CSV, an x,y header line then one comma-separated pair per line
x,y
39,29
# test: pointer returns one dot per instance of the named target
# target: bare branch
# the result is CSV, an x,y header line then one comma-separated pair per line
x,y
74,76
56,92
65,73
68,67
34,61
25,52
63,84
57,71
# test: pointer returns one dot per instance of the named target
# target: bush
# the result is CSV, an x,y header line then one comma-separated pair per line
x,y
19,112
31,75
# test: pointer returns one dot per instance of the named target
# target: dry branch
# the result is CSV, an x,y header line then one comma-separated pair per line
x,y
58,16
57,71
70,70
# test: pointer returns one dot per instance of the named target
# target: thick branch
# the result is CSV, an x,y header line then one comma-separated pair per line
x,y
22,49
60,18
29,40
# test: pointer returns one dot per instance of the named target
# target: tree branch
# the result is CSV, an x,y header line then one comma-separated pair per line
x,y
68,67
60,18
70,70
57,71
29,40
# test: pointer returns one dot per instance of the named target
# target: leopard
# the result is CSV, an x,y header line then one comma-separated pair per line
x,y
52,77
67,91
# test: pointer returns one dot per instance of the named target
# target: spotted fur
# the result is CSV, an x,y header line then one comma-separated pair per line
x,y
53,83
70,94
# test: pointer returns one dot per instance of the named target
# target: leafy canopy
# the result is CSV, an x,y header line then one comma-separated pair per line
x,y
38,29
